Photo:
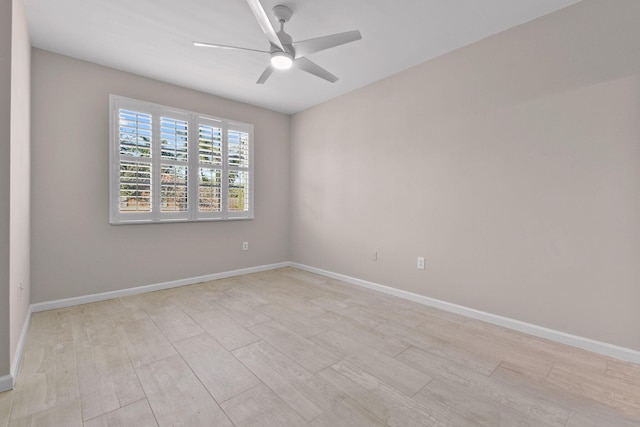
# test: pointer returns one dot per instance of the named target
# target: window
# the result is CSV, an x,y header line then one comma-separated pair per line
x,y
174,165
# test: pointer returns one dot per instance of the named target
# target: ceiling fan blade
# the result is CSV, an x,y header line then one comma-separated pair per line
x,y
307,47
265,75
312,68
222,46
265,24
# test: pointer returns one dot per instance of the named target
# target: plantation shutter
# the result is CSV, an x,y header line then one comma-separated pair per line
x,y
132,163
239,182
175,165
210,168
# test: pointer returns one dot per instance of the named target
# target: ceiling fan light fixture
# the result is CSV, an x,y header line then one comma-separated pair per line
x,y
281,60
284,52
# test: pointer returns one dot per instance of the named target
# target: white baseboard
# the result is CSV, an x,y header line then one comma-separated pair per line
x,y
6,383
17,357
606,349
86,299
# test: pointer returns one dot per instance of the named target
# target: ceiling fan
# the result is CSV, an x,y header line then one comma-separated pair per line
x,y
286,53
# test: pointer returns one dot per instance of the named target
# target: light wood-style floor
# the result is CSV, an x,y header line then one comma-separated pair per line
x,y
289,348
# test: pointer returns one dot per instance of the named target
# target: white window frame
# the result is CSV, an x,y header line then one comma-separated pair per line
x,y
194,120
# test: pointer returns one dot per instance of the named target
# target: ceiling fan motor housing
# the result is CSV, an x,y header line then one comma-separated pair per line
x,y
282,13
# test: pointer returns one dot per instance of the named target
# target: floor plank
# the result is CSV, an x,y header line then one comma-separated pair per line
x,y
480,385
394,372
136,414
619,395
369,336
145,343
578,419
63,415
226,377
307,394
583,407
625,371
385,402
53,381
308,354
97,391
175,323
347,413
493,341
6,401
261,407
416,337
350,313
177,397
470,409
228,332
243,314
293,319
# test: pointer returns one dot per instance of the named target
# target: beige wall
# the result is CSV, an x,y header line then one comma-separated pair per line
x,y
20,173
512,165
5,154
15,53
74,249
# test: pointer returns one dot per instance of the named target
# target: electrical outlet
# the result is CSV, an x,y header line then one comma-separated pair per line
x,y
245,246
420,264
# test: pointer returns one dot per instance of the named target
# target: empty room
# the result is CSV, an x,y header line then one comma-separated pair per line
x,y
324,213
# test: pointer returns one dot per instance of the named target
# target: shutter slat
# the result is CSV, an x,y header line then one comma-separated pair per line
x,y
209,190
135,187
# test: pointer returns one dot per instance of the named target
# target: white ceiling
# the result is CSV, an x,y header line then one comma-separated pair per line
x,y
154,38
